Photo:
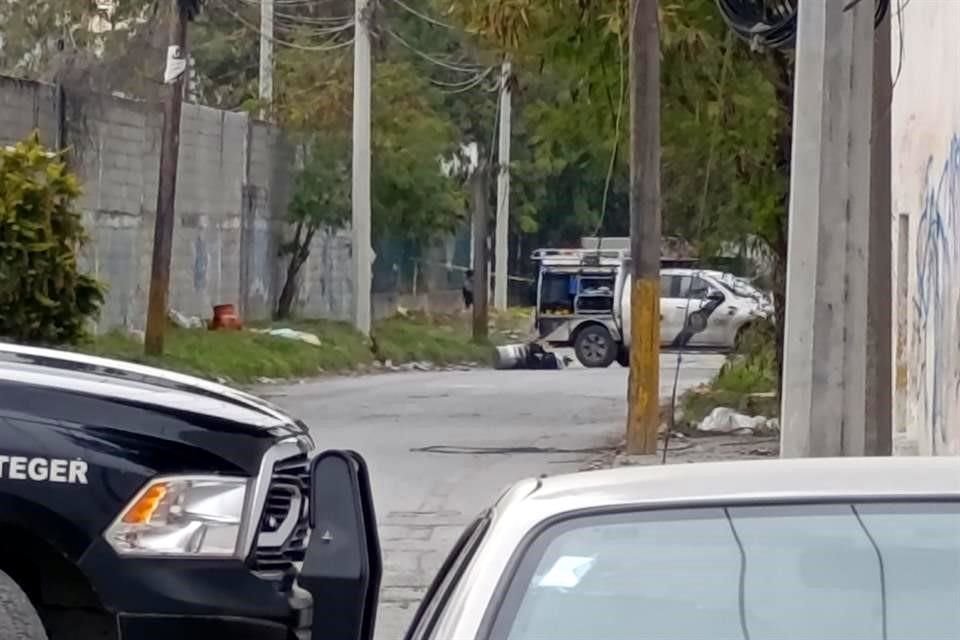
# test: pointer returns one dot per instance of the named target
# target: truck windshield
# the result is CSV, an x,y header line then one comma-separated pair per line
x,y
852,571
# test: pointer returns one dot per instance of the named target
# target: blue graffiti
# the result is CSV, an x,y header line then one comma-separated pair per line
x,y
199,264
936,333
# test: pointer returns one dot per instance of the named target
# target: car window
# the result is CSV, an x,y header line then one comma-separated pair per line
x,y
446,579
698,288
689,287
849,571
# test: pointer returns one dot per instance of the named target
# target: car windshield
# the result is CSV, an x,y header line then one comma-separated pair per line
x,y
850,571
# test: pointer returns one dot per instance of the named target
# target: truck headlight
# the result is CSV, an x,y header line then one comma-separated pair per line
x,y
189,516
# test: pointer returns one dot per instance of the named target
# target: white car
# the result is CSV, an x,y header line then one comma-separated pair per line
x,y
817,549
689,300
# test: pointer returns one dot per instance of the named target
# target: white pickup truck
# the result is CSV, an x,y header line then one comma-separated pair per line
x,y
583,301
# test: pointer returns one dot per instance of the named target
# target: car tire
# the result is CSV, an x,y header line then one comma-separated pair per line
x,y
595,347
18,618
623,356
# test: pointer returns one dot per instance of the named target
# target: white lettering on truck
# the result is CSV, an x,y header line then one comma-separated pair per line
x,y
43,469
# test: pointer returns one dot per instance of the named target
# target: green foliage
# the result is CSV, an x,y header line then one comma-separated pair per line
x,y
720,120
245,356
321,201
321,196
421,338
752,367
412,199
43,296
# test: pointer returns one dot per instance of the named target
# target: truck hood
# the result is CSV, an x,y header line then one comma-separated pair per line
x,y
109,397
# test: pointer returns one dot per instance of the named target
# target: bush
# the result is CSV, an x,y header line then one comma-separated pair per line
x,y
43,296
747,382
753,367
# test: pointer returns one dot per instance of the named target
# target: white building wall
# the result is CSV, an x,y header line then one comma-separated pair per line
x,y
926,209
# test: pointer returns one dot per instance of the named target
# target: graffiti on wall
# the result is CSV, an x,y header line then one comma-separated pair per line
x,y
935,379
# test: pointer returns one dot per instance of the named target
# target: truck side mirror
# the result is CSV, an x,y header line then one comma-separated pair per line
x,y
343,565
716,295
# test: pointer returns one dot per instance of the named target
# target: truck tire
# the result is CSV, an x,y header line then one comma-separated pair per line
x,y
18,618
623,356
595,347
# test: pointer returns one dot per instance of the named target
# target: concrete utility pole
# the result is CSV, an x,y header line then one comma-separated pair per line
x,y
879,393
481,273
173,77
362,249
824,409
266,58
643,420
502,250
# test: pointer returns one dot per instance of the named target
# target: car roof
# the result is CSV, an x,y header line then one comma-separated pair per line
x,y
683,271
117,380
751,481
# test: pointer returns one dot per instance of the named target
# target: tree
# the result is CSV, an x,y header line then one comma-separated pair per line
x,y
413,200
83,47
321,201
721,120
43,296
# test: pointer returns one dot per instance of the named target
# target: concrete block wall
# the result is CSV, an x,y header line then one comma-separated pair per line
x,y
234,182
926,228
25,107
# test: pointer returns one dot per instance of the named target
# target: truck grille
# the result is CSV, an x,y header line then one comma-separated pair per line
x,y
284,527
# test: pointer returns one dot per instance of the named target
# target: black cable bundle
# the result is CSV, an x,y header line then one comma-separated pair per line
x,y
772,24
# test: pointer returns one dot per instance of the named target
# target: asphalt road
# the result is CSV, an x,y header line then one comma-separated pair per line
x,y
442,446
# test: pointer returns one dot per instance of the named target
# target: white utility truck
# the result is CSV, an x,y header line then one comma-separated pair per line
x,y
583,302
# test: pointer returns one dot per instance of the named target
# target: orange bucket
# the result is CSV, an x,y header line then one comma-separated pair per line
x,y
225,317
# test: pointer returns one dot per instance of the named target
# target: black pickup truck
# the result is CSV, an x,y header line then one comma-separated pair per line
x,y
137,504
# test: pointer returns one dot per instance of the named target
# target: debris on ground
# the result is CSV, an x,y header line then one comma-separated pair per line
x,y
184,321
712,448
291,334
527,356
726,420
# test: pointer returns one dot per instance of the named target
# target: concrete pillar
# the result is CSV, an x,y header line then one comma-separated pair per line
x,y
879,391
825,369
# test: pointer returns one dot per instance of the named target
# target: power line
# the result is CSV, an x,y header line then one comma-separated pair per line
x,y
618,120
285,24
468,68
423,16
325,23
330,45
472,82
292,4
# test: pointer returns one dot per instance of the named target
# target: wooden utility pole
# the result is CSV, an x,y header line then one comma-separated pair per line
x,y
643,395
481,275
174,76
